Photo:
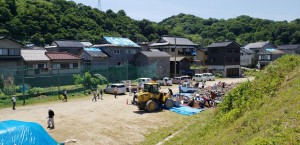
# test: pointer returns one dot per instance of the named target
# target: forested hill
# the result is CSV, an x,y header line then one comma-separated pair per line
x,y
42,21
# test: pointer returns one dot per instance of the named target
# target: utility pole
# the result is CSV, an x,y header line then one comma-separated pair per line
x,y
175,58
23,85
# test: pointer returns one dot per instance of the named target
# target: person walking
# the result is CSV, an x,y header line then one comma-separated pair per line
x,y
101,94
50,121
115,92
65,99
14,100
94,96
98,93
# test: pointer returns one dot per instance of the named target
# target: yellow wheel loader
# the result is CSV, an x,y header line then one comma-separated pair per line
x,y
151,99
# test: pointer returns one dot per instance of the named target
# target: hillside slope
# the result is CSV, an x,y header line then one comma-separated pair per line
x,y
264,111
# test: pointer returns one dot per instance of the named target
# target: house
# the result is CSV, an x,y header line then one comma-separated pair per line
x,y
184,47
247,57
290,49
257,46
93,57
69,46
224,58
10,55
63,62
160,59
35,61
119,50
266,56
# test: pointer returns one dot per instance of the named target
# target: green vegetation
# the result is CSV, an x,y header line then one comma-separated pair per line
x,y
264,111
42,21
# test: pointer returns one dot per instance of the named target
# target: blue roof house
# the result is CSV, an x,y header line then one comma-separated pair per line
x,y
119,50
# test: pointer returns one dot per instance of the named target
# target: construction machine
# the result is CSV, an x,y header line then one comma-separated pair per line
x,y
151,99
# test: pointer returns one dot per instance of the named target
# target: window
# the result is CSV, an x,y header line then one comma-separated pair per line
x,y
64,65
41,66
14,52
130,51
173,49
264,57
75,65
56,66
117,51
3,51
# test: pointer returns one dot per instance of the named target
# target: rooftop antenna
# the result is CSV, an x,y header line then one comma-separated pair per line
x,y
99,5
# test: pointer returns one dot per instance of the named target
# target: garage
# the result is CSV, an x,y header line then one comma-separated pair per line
x,y
233,72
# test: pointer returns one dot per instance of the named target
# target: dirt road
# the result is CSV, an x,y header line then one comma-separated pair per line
x,y
108,121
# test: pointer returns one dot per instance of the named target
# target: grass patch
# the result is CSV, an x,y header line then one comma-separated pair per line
x,y
264,111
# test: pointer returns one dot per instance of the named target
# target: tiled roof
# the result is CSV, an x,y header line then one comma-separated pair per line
x,y
61,56
69,43
165,40
256,45
95,52
220,44
86,44
34,55
177,58
155,53
248,51
293,46
118,41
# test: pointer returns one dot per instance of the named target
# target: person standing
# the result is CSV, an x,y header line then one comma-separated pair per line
x,y
14,100
115,92
65,99
129,89
50,118
101,94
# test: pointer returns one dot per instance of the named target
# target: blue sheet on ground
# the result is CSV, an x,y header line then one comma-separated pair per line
x,y
13,132
186,110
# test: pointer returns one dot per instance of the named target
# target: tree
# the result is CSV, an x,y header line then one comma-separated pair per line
x,y
90,81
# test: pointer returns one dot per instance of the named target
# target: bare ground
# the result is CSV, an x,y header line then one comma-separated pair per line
x,y
108,121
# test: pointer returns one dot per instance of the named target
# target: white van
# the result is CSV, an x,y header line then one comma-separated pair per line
x,y
110,89
176,80
143,80
199,78
209,76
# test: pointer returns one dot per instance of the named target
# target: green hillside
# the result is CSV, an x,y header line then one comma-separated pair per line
x,y
42,21
264,111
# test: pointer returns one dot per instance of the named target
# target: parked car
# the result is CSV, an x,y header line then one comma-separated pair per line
x,y
199,77
209,76
166,81
187,88
181,79
121,89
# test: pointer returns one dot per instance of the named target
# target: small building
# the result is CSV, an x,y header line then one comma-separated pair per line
x,y
10,54
63,62
266,56
247,58
159,58
119,50
258,46
35,61
93,57
70,46
183,66
224,58
290,49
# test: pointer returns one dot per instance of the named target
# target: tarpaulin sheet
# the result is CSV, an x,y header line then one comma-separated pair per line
x,y
186,110
13,132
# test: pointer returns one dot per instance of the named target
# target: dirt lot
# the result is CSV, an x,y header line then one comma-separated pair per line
x,y
108,121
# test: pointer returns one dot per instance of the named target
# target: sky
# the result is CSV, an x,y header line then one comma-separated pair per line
x,y
157,10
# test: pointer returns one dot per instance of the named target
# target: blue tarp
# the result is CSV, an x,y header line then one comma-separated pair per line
x,y
120,41
13,132
186,110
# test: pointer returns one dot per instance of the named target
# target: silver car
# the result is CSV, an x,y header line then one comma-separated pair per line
x,y
110,89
